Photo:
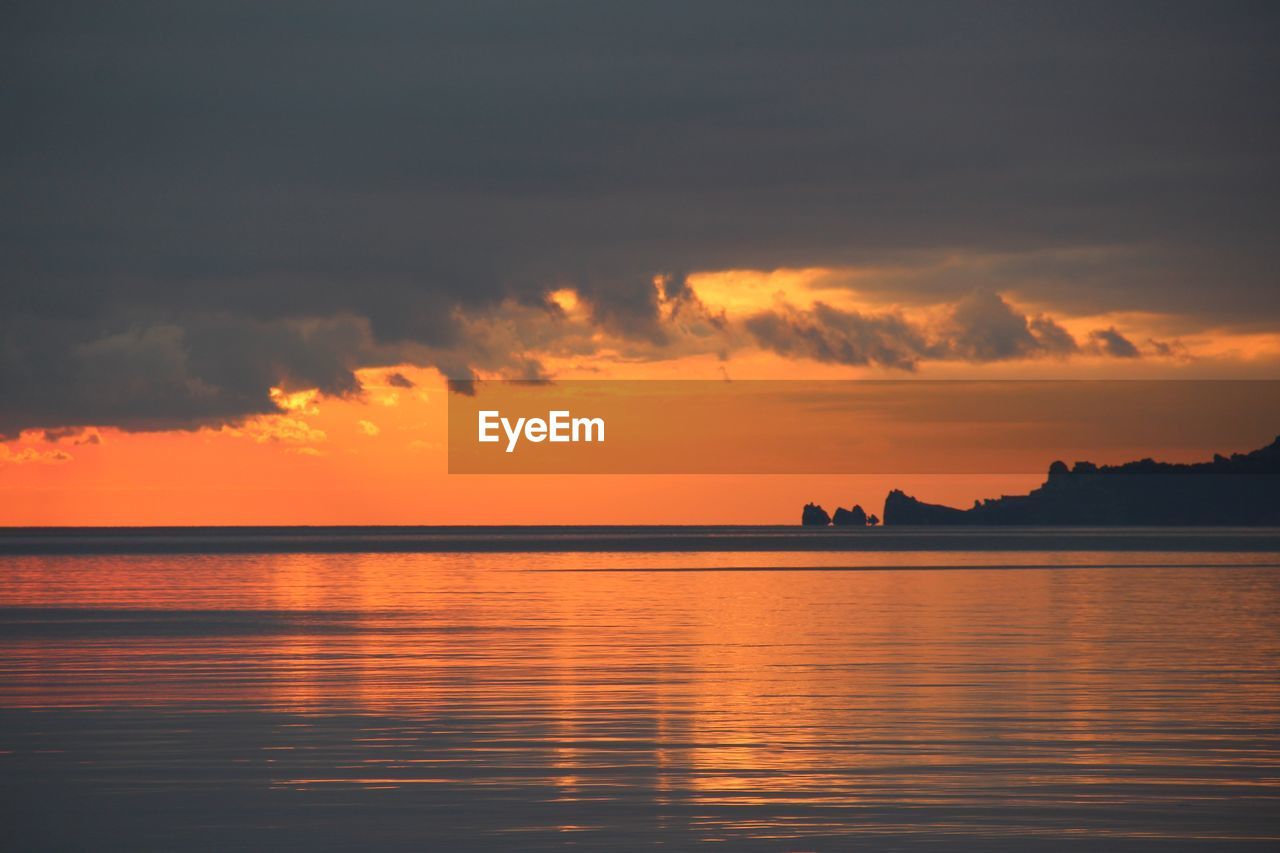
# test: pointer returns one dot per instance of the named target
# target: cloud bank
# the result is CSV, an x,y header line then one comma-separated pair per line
x,y
203,203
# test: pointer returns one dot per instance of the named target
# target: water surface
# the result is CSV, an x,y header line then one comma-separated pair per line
x,y
769,699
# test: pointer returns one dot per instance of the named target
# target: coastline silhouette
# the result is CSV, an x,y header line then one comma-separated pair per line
x,y
1242,490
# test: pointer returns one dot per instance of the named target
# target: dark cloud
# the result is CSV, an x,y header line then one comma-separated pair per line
x,y
202,201
465,387
627,310
1169,349
981,327
674,287
206,368
1110,342
829,334
75,435
399,380
1051,338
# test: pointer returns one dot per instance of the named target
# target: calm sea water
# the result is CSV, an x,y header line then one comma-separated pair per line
x,y
1094,694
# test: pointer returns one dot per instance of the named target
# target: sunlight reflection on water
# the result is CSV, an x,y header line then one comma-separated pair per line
x,y
513,700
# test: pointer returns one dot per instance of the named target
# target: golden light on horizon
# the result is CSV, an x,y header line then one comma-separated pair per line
x,y
379,454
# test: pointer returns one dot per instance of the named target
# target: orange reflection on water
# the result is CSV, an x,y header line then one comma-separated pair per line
x,y
720,699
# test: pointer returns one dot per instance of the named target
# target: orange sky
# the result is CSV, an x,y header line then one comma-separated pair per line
x,y
380,457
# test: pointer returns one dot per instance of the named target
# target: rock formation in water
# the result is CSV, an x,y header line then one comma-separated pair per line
x,y
814,516
1243,489
855,517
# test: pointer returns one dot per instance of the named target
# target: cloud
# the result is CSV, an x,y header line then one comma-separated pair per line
x,y
399,380
1169,349
368,428
1110,342
981,327
212,201
1050,337
304,402
203,369
984,327
28,455
285,430
829,334
74,435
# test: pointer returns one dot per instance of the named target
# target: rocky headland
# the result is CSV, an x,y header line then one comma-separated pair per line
x,y
1242,489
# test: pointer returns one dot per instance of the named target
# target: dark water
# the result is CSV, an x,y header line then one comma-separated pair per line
x,y
1103,691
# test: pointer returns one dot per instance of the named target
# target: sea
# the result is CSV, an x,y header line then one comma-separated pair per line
x,y
631,688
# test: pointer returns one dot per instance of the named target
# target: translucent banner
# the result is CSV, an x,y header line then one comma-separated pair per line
x,y
835,427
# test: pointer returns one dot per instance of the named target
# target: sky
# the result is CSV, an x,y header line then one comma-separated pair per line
x,y
243,245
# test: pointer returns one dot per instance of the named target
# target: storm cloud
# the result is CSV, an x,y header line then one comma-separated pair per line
x,y
204,201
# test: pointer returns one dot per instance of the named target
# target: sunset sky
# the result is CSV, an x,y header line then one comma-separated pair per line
x,y
238,262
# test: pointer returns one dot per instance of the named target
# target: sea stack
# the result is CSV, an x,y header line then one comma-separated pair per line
x,y
814,516
855,517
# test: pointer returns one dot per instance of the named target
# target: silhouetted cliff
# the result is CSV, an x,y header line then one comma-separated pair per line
x,y
814,516
855,517
1243,489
